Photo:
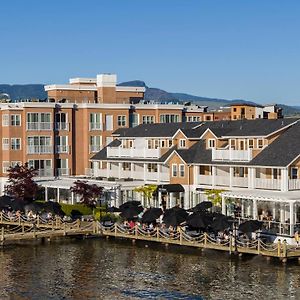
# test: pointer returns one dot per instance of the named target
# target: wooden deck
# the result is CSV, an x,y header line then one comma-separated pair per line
x,y
279,250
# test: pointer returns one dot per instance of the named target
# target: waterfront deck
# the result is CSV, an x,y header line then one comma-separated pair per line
x,y
256,247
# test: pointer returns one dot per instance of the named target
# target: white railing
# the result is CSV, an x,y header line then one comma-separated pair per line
x,y
95,148
39,126
45,172
133,152
95,126
63,172
294,184
62,149
222,180
62,126
37,149
268,184
205,179
231,155
239,181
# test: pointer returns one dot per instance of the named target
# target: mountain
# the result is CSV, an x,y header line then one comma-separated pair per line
x,y
18,91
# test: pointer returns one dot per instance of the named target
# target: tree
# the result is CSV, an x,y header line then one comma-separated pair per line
x,y
146,191
88,193
21,184
214,196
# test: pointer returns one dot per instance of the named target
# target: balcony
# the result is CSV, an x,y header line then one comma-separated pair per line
x,y
62,149
45,173
37,126
95,148
96,126
38,149
294,184
268,184
62,172
133,152
231,155
62,126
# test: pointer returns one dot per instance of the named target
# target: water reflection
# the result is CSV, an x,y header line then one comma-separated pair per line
x,y
100,269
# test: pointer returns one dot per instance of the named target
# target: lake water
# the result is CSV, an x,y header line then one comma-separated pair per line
x,y
101,269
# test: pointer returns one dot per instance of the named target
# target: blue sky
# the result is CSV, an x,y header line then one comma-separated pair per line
x,y
233,49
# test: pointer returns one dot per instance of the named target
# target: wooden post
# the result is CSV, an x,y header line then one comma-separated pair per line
x,y
136,230
279,248
19,218
258,246
205,239
38,221
284,250
180,235
230,244
157,232
115,229
78,223
65,231
23,228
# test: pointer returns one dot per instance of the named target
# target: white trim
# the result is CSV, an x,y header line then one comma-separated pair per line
x,y
208,130
177,131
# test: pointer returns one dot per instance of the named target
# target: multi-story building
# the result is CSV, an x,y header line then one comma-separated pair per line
x,y
254,162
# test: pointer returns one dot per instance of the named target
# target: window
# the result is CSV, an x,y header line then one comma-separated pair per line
x,y
15,120
169,118
5,144
5,166
174,170
95,143
148,119
5,120
39,121
260,143
182,143
251,144
95,121
133,120
181,170
232,144
15,144
170,143
61,121
234,109
152,167
126,166
294,173
121,121
211,143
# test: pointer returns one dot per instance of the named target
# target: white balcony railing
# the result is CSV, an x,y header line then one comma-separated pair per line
x,y
95,148
62,126
268,184
294,184
133,152
38,149
222,180
63,172
62,149
95,126
39,126
231,155
205,179
239,181
44,172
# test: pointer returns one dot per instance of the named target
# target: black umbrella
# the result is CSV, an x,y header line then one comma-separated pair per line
x,y
131,213
53,207
151,215
199,220
202,206
250,226
17,204
175,216
129,204
5,201
220,223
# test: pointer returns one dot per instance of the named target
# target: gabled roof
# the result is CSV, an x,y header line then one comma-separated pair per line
x,y
283,151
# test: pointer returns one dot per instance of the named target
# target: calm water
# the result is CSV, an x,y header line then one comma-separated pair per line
x,y
100,269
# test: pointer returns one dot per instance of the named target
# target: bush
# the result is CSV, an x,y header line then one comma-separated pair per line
x,y
106,216
80,209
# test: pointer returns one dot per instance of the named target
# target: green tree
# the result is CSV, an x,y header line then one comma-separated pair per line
x,y
147,192
214,196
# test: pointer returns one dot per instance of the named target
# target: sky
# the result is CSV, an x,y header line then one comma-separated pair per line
x,y
230,49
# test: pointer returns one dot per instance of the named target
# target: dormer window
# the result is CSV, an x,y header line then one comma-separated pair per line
x,y
251,144
182,143
260,143
211,143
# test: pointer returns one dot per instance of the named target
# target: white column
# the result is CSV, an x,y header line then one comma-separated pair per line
x,y
132,170
251,178
292,222
58,196
119,170
255,209
223,205
107,170
72,198
196,173
171,200
159,198
284,180
213,173
46,193
158,172
231,174
145,171
118,196
282,212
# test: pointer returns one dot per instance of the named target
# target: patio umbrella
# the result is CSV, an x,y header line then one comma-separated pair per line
x,y
129,204
202,206
220,223
17,204
199,220
174,216
131,212
250,226
53,207
113,209
5,201
151,215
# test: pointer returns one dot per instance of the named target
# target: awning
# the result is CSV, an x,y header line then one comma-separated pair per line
x,y
171,188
